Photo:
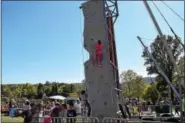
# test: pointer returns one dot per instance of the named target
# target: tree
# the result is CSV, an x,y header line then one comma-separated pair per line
x,y
47,90
47,83
151,93
72,87
127,76
29,90
163,59
16,90
132,84
54,90
138,87
40,90
7,92
181,66
83,84
67,88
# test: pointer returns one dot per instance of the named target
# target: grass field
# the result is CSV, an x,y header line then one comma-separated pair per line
x,y
7,119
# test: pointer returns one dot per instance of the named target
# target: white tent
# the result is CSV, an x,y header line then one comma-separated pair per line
x,y
57,97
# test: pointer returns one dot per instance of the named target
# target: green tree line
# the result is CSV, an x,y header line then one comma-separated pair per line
x,y
132,84
37,90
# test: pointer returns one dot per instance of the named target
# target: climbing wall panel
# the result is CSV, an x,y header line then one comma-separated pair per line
x,y
100,80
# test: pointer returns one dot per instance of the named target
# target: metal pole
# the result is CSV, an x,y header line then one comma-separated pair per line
x,y
161,34
180,101
164,41
170,98
164,75
158,68
153,17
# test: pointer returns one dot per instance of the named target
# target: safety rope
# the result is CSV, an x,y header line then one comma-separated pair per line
x,y
177,38
172,10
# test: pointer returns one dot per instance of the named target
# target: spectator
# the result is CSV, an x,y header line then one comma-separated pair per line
x,y
29,114
12,106
71,113
48,105
77,107
12,103
34,116
40,112
52,105
55,113
27,105
88,108
47,108
63,112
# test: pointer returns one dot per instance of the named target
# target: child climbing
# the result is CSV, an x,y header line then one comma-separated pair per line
x,y
98,53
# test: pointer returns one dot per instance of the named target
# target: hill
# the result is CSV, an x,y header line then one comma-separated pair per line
x,y
149,80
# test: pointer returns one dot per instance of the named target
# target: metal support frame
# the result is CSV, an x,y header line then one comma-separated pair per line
x,y
166,78
112,7
158,68
111,13
111,10
168,51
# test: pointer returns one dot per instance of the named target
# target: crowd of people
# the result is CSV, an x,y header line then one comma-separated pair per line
x,y
53,110
49,110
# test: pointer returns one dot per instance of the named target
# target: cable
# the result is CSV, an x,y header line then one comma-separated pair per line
x,y
146,38
180,42
161,14
172,10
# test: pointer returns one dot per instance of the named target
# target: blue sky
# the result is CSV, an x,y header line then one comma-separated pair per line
x,y
43,40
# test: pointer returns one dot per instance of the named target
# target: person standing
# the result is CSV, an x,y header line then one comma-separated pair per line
x,y
71,113
27,105
77,107
83,99
63,112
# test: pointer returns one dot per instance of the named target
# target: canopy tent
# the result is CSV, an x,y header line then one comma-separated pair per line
x,y
57,97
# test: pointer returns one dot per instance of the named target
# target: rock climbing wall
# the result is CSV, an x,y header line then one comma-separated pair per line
x,y
99,80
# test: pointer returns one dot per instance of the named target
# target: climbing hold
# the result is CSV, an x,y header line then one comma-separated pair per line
x,y
101,76
101,20
86,67
96,1
105,103
107,50
89,81
85,45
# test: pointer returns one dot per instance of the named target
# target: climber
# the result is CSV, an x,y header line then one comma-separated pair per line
x,y
98,53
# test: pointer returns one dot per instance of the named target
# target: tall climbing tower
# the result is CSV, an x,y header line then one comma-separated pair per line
x,y
99,17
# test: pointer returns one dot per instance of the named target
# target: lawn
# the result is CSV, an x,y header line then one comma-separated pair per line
x,y
7,119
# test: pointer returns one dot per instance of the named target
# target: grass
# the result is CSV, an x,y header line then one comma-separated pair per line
x,y
7,119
